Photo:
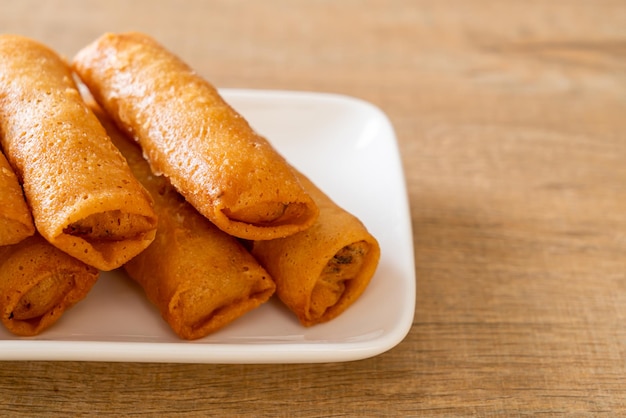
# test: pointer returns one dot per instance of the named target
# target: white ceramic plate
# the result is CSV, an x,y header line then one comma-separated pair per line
x,y
349,149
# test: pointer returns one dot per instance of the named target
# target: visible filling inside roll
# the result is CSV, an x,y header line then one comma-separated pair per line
x,y
42,297
345,265
113,225
270,213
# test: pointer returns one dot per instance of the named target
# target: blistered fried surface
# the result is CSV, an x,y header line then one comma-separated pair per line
x,y
70,169
15,219
320,272
199,277
189,133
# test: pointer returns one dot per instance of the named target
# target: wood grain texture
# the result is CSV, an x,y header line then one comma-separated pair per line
x,y
510,118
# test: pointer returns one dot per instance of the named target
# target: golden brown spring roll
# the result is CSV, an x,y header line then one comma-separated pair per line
x,y
16,222
38,283
199,277
211,155
83,197
320,272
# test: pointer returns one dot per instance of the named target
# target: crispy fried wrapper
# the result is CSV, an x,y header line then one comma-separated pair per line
x,y
38,283
200,278
227,171
16,222
320,272
83,196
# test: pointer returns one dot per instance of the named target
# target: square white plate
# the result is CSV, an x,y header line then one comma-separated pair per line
x,y
349,149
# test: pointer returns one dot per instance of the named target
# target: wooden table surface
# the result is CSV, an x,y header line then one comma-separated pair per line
x,y
511,121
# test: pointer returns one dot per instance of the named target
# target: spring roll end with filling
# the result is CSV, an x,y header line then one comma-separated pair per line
x,y
320,272
200,278
83,197
38,283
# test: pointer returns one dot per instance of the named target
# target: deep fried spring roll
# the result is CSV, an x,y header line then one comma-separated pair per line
x,y
84,198
320,272
16,222
38,283
199,277
211,155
